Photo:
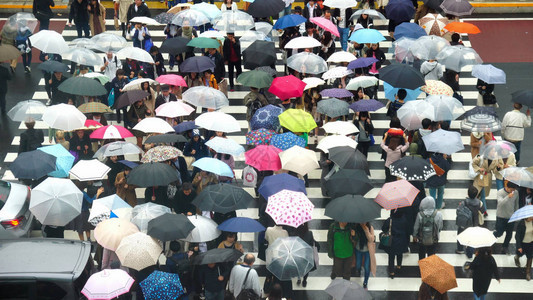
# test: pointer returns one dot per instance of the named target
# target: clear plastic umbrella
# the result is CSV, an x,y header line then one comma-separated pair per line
x,y
135,53
210,10
307,63
370,12
205,230
413,112
190,17
446,108
263,27
218,121
109,42
144,20
402,51
48,41
234,20
498,149
82,43
207,97
82,56
312,82
289,257
225,145
136,84
25,109
457,57
518,175
22,20
64,116
251,36
428,47
143,213
489,73
361,82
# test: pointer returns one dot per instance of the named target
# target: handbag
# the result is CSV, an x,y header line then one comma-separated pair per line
x,y
489,99
372,140
41,15
385,239
115,23
111,98
471,173
315,255
481,218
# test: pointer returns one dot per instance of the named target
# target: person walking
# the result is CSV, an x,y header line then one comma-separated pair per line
x,y
232,57
111,65
468,213
343,21
366,131
117,84
431,70
213,278
23,44
306,235
397,226
437,182
220,69
477,139
121,8
427,227
483,180
137,9
96,17
340,248
395,150
485,268
5,75
31,138
7,37
507,205
244,277
485,96
42,12
80,15
365,250
513,125
524,244
123,189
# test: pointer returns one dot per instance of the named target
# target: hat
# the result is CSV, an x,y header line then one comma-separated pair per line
x,y
165,88
195,132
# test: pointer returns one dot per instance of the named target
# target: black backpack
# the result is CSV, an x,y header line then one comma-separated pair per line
x,y
254,106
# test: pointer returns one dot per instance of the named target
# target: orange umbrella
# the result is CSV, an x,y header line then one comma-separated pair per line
x,y
462,27
437,273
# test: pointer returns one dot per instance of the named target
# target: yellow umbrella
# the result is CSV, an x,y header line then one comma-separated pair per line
x,y
297,120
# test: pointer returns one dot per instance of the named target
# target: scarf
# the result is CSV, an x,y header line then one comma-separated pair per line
x,y
187,32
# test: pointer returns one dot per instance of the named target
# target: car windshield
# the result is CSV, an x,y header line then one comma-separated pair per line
x,y
5,188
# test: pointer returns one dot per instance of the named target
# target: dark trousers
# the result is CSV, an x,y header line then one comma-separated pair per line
x,y
44,24
469,250
26,59
3,100
343,267
363,147
517,153
238,68
399,259
47,76
388,176
83,28
527,250
119,117
426,250
503,225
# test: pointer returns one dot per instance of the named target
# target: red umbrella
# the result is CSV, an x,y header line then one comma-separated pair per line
x,y
326,25
287,87
171,79
264,158
90,125
111,132
396,194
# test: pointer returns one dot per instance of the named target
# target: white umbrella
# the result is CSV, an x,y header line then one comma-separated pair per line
x,y
457,57
446,108
210,10
144,20
138,251
87,170
312,82
234,20
109,233
213,34
361,82
25,109
489,73
135,53
264,27
218,121
307,63
136,84
117,149
369,12
299,160
82,56
143,213
225,145
107,41
413,112
153,125
341,56
82,43
443,141
49,41
402,51
342,4
204,96
337,72
333,141
340,127
174,109
205,230
64,117
476,237
302,42
56,201
190,17
107,284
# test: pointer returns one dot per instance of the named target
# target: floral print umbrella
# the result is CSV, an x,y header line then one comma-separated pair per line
x,y
434,24
260,136
160,154
289,208
162,285
266,117
437,87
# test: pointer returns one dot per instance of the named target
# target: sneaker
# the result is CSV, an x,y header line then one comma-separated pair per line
x,y
517,261
49,102
27,69
170,68
467,265
365,285
299,282
443,205
232,90
304,283
460,251
333,276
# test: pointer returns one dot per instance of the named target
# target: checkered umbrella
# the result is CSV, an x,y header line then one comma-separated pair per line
x,y
396,194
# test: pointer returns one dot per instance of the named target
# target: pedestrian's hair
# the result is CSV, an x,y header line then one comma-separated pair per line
x,y
30,123
249,259
472,192
363,114
455,37
517,106
402,94
394,142
484,252
395,123
444,125
154,49
276,292
119,72
512,185
426,123
175,246
298,10
60,135
186,186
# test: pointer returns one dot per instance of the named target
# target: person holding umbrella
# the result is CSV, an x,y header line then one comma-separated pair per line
x,y
232,56
507,204
484,267
340,240
483,181
80,16
437,182
123,189
96,17
513,124
365,249
117,84
428,225
394,151
397,226
137,112
465,219
57,95
524,244
366,130
30,139
213,278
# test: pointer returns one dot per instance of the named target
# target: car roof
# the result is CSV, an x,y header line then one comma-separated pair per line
x,y
43,258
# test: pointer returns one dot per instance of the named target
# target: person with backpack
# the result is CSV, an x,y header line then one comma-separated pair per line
x,y
31,138
22,42
428,225
244,279
507,204
340,240
468,215
254,101
111,65
437,182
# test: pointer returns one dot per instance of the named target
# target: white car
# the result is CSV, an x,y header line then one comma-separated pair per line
x,y
15,216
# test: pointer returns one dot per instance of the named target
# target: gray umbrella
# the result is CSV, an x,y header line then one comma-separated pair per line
x,y
346,158
353,209
308,63
223,198
333,107
457,57
342,289
428,46
82,86
443,141
196,64
481,123
457,7
347,181
165,138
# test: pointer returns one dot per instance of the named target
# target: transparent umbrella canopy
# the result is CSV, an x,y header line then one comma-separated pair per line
x,y
289,257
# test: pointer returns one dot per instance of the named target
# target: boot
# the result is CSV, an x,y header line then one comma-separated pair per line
x,y
517,261
528,269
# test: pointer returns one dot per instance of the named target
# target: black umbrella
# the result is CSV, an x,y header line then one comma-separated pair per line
x,y
130,97
346,158
217,255
175,45
152,174
164,18
402,76
170,227
223,198
524,97
412,168
434,4
51,66
33,165
166,138
353,209
266,8
481,110
197,64
348,181
82,86
258,54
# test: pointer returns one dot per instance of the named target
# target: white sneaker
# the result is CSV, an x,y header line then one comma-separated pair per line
x,y
49,102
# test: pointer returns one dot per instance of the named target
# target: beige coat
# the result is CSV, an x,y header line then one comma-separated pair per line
x,y
475,143
508,162
123,7
371,244
101,19
486,181
126,193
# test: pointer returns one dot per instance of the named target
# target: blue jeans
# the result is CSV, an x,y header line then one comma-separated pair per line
x,y
482,197
83,28
344,32
499,184
359,257
438,194
482,297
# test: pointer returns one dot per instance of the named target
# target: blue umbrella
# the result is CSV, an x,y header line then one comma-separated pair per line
x,y
275,183
391,91
162,285
289,21
33,164
129,164
362,62
196,64
64,160
286,140
400,10
241,224
266,117
409,30
366,105
184,126
523,213
214,166
489,74
113,202
363,36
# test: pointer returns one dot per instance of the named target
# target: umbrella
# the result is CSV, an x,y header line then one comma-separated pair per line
x,y
348,181
366,105
286,87
206,97
266,8
437,87
396,194
111,132
344,289
353,209
345,157
174,109
82,56
144,20
413,112
168,138
135,85
24,109
299,160
23,20
289,208
402,52
291,20
361,82
161,154
179,7
234,20
333,107
457,57
112,202
258,54
142,214
259,136
274,183
266,117
138,251
130,97
169,227
264,27
48,41
312,82
446,108
457,7
489,73
263,158
171,79
222,198
286,140
51,66
64,117
153,125
498,149
524,97
463,27
241,224
437,273
33,165
400,10
55,201
523,213
64,160
370,12
218,255
203,42
164,18
8,52
162,285
302,42
362,62
94,107
289,257
107,284
214,166
109,42
82,86
332,141
341,56
185,126
326,24
218,121
225,145
257,79
190,17
476,237
101,212
481,123
402,76
434,24
252,36
519,176
428,46
307,63
409,30
363,36
434,4
340,127
175,45
152,174
205,230
342,4
89,170
297,120
210,10
337,72
109,233
90,125
135,53
412,168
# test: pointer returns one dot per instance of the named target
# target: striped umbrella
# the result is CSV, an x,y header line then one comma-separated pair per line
x,y
523,213
396,194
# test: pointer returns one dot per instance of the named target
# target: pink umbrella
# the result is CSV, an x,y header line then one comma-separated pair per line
x,y
287,87
289,208
107,284
326,25
174,109
264,158
91,124
171,79
396,194
111,132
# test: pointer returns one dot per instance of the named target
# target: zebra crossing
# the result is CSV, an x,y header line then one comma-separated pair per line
x,y
406,283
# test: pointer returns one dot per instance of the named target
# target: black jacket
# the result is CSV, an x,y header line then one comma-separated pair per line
x,y
5,75
520,233
41,9
209,277
379,56
30,140
182,204
316,12
220,68
484,268
160,193
57,95
160,100
142,11
78,12
227,49
347,21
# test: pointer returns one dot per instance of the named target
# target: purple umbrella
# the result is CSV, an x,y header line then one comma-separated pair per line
x,y
181,127
196,64
336,93
366,105
361,62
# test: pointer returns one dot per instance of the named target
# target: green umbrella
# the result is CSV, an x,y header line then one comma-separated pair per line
x,y
82,86
255,78
202,42
297,120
